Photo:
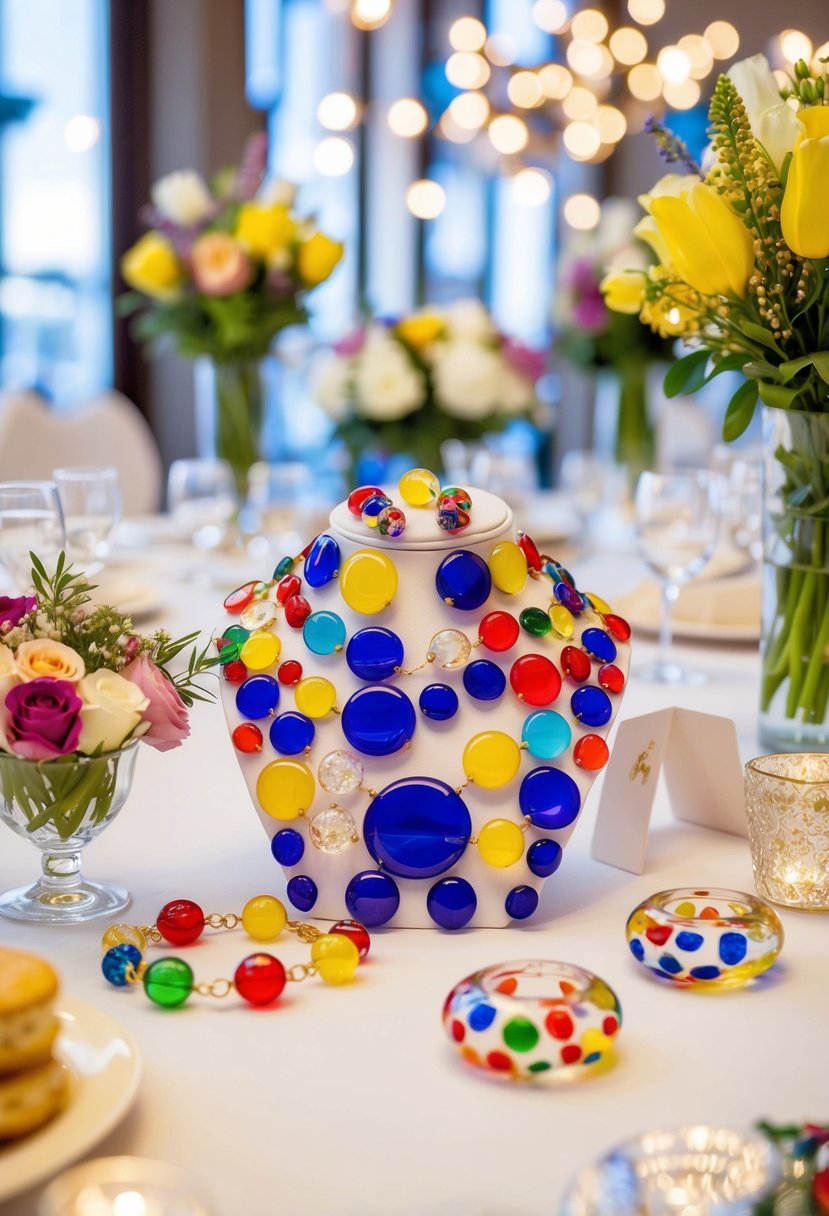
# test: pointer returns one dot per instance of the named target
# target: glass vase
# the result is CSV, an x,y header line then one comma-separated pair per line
x,y
230,413
634,434
794,695
60,805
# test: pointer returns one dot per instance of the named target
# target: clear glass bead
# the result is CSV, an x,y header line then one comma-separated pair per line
x,y
258,615
340,772
332,830
451,648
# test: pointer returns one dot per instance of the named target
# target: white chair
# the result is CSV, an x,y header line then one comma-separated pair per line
x,y
108,430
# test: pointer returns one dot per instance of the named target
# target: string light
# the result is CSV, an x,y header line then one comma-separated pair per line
x,y
556,81
451,130
425,199
628,45
407,118
795,45
584,58
525,90
467,34
337,111
550,15
682,96
589,24
467,70
673,64
531,187
333,156
582,211
581,140
508,134
370,14
579,103
723,39
646,12
501,49
470,111
700,55
645,82
610,123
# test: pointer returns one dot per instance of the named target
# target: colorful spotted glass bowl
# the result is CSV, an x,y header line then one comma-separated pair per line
x,y
521,1021
704,938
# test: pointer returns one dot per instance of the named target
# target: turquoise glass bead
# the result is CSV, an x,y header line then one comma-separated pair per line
x,y
546,734
168,982
236,633
324,632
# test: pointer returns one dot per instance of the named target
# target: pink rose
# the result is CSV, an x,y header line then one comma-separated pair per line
x,y
43,718
166,712
220,265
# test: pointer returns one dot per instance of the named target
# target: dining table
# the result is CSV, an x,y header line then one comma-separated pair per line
x,y
351,1100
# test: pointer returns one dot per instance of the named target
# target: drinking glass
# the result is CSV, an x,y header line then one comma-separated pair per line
x,y
677,522
201,495
31,521
91,501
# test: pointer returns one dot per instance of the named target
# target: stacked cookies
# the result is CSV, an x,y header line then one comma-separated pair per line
x,y
33,1084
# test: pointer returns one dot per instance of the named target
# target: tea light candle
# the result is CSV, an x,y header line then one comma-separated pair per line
x,y
787,803
124,1186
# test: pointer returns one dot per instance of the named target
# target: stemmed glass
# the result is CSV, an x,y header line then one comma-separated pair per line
x,y
31,521
91,501
201,495
677,523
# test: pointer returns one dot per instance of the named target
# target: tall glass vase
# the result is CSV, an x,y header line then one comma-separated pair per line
x,y
794,696
230,413
634,433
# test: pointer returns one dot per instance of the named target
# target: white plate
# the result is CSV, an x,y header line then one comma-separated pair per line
x,y
706,611
106,1067
127,592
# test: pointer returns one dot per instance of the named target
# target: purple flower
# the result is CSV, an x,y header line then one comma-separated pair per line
x,y
590,314
14,608
529,363
351,344
44,719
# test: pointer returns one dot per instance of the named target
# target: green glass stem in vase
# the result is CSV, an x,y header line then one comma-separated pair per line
x,y
794,699
236,402
634,433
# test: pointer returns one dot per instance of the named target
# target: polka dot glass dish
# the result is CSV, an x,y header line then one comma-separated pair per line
x,y
704,938
521,1021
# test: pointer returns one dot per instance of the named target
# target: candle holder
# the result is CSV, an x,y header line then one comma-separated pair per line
x,y
121,1186
787,803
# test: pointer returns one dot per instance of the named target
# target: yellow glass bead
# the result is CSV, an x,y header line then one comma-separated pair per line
x,y
501,842
123,935
264,917
686,908
284,788
335,958
315,696
261,650
419,487
368,581
595,1040
598,603
491,759
563,620
508,567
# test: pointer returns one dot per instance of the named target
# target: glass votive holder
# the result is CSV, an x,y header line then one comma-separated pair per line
x,y
787,803
124,1186
684,1171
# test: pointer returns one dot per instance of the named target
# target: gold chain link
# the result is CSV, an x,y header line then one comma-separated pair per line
x,y
218,920
299,972
218,988
305,932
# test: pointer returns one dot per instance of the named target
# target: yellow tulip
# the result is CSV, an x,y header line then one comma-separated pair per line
x,y
151,266
673,314
421,329
624,290
707,243
317,258
647,231
803,214
265,231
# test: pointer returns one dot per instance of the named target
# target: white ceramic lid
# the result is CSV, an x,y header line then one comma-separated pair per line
x,y
490,518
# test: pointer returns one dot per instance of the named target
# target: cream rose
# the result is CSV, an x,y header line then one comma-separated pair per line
x,y
111,711
183,197
9,676
43,657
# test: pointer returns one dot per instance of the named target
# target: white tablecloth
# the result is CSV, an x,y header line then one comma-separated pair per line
x,y
350,1100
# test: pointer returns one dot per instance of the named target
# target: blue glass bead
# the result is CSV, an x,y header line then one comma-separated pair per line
x,y
637,949
378,720
672,965
324,632
544,857
118,961
484,680
302,892
552,570
546,734
257,697
372,898
438,702
417,827
521,902
374,653
448,515
482,1016
705,973
569,597
323,561
591,705
291,733
287,847
686,940
451,903
463,580
732,948
599,645
372,507
550,798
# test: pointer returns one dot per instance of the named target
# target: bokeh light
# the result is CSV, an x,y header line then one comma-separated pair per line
x,y
589,24
81,133
333,156
501,49
582,211
425,199
682,96
467,34
610,123
673,64
337,111
370,14
581,140
466,70
470,111
580,103
585,58
508,134
794,45
531,187
723,39
628,45
645,82
556,81
407,118
525,90
550,15
646,12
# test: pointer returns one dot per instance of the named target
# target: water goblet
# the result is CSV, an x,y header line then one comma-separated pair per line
x,y
91,501
201,495
31,521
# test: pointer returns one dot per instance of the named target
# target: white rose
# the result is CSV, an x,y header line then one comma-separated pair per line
x,y
467,379
469,319
183,197
9,676
275,193
515,394
332,386
111,711
387,384
773,123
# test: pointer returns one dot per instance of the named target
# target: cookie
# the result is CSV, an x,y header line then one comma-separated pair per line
x,y
31,1098
28,1026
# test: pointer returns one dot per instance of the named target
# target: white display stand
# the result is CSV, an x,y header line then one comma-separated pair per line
x,y
416,614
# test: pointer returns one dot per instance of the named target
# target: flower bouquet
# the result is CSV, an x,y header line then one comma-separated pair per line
x,y
78,690
220,273
743,274
438,374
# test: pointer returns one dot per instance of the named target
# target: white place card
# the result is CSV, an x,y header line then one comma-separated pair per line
x,y
700,760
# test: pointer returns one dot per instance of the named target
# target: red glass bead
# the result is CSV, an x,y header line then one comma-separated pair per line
x,y
356,933
530,550
498,630
611,677
247,738
239,599
297,611
289,672
357,497
180,922
308,547
617,626
259,979
286,587
591,752
535,679
235,672
575,663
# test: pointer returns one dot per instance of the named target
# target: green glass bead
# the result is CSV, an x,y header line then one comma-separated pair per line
x,y
230,652
168,982
236,633
285,566
535,621
520,1034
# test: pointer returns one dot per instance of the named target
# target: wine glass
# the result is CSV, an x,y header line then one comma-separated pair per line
x,y
31,521
201,495
677,523
91,501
